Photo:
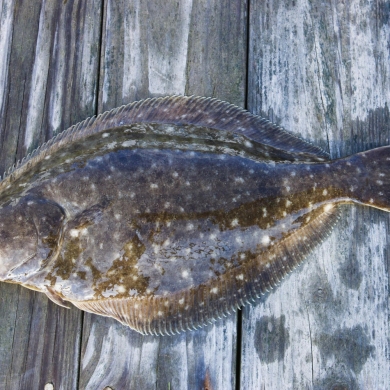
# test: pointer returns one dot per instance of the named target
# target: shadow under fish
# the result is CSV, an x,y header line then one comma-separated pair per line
x,y
169,213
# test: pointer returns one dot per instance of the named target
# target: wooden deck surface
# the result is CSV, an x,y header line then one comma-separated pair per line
x,y
321,70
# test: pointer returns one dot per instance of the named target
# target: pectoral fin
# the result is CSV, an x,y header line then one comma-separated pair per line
x,y
56,298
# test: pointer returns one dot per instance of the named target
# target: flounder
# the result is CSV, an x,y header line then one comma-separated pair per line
x,y
169,213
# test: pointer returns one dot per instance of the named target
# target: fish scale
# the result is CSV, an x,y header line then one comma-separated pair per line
x,y
169,213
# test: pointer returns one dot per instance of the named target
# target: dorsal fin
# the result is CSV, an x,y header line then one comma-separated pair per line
x,y
192,309
179,110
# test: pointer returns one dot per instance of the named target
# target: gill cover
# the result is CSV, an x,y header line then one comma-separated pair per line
x,y
30,230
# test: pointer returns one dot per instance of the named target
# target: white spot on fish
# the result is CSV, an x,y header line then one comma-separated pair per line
x,y
214,290
105,135
288,203
185,274
111,145
47,157
74,233
181,301
379,182
154,185
328,207
325,192
265,240
175,174
126,144
121,289
240,277
234,222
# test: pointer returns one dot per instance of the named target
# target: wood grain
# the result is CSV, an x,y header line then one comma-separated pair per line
x,y
322,71
48,80
150,49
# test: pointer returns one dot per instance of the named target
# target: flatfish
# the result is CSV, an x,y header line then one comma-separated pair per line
x,y
169,213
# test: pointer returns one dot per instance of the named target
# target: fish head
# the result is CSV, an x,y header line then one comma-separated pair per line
x,y
30,230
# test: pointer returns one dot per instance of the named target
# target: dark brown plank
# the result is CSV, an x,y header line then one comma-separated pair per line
x,y
322,71
150,49
48,80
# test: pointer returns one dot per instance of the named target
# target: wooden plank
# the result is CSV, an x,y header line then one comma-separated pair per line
x,y
49,55
150,49
321,69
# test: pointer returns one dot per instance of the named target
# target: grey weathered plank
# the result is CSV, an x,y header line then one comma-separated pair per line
x,y
150,49
321,69
49,53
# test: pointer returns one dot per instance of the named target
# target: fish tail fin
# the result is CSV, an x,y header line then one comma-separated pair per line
x,y
368,177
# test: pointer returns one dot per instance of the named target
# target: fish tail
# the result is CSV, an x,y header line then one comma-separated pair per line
x,y
367,177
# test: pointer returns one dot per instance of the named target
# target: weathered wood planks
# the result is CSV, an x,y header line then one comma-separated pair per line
x,y
322,71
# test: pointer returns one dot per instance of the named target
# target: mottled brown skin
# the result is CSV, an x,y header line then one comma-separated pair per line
x,y
167,233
